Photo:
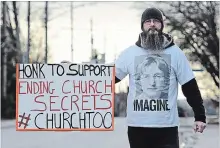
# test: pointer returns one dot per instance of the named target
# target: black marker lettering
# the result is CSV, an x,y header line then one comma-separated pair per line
x,y
25,71
96,118
82,119
31,71
109,70
72,70
91,67
40,71
55,121
104,120
72,121
89,116
35,71
83,70
21,70
47,120
62,69
52,68
35,121
86,67
65,118
103,67
97,72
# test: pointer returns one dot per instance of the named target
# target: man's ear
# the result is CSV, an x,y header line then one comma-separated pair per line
x,y
164,19
163,16
164,25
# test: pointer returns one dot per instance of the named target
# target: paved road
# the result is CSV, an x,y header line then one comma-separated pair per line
x,y
115,139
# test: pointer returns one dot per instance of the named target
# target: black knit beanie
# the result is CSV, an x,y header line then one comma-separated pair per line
x,y
152,13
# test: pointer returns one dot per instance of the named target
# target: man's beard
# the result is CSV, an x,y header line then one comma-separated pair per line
x,y
152,39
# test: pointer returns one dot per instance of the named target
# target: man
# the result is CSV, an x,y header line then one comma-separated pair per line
x,y
153,121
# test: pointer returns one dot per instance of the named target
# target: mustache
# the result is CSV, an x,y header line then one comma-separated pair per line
x,y
152,31
153,28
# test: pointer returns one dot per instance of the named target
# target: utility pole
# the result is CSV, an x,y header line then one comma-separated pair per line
x,y
91,30
71,20
104,48
46,21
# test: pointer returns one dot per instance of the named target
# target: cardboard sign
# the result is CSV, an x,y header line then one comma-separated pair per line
x,y
65,97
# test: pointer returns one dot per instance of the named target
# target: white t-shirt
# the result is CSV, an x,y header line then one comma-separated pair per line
x,y
153,84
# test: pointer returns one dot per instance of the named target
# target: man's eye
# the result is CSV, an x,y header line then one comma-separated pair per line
x,y
146,76
156,21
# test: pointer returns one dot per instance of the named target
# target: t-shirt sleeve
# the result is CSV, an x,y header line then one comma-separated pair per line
x,y
184,71
121,67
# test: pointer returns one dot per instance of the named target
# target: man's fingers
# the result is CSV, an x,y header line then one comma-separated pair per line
x,y
195,127
199,127
202,127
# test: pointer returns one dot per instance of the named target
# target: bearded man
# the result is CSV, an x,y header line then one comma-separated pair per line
x,y
156,64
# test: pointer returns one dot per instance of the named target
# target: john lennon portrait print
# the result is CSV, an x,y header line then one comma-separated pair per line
x,y
152,77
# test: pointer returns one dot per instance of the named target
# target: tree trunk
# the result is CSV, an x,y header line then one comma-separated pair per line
x,y
4,53
46,20
17,28
28,41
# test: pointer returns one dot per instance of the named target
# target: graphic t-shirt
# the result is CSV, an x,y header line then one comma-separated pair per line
x,y
153,84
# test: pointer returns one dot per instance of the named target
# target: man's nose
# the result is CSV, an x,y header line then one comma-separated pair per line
x,y
152,23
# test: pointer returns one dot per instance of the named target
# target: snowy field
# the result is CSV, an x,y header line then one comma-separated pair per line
x,y
115,139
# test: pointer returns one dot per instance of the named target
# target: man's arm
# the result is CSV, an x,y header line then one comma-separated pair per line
x,y
194,99
121,66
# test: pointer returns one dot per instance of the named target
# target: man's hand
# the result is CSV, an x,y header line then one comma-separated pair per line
x,y
199,126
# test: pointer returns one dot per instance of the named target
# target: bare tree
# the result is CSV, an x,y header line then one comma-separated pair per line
x,y
17,28
28,40
46,21
4,53
10,55
197,23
